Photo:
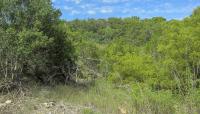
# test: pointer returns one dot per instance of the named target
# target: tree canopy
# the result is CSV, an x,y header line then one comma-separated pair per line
x,y
34,41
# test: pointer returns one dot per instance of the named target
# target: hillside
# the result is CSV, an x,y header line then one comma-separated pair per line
x,y
96,66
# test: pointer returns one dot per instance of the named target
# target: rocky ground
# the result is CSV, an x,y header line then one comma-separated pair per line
x,y
52,107
15,104
61,99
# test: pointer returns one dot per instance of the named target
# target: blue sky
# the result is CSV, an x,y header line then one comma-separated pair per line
x,y
84,9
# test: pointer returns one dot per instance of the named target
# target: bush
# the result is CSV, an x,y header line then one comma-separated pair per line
x,y
156,102
36,44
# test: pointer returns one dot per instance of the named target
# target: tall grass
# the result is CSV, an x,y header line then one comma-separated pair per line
x,y
105,98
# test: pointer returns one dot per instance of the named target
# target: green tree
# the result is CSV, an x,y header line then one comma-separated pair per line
x,y
43,48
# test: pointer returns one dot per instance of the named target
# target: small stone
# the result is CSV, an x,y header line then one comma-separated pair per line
x,y
2,105
8,102
122,110
52,103
45,104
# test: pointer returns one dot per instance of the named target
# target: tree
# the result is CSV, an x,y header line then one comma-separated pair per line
x,y
42,48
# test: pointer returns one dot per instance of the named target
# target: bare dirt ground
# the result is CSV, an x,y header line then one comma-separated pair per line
x,y
23,107
11,104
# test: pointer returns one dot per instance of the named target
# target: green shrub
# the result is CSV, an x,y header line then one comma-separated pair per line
x,y
156,102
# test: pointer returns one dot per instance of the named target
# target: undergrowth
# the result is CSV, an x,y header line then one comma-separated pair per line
x,y
105,98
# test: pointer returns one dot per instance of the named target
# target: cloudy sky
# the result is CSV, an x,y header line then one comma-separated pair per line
x,y
83,9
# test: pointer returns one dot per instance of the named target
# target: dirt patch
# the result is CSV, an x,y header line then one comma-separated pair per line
x,y
29,105
59,108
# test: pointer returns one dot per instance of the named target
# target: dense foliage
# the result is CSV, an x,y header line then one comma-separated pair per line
x,y
33,42
161,54
156,60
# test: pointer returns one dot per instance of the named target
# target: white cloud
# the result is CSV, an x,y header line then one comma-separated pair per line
x,y
147,8
75,1
74,12
106,10
114,1
91,12
120,1
68,8
133,10
87,5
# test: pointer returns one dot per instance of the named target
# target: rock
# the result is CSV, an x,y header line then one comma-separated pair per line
x,y
122,110
52,104
2,105
8,102
49,105
46,105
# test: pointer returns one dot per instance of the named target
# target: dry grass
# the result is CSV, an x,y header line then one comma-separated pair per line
x,y
100,98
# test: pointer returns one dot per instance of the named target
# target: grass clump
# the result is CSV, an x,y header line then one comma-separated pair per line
x,y
106,98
